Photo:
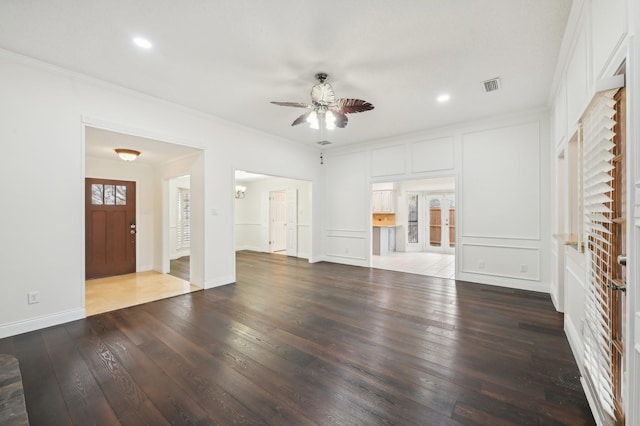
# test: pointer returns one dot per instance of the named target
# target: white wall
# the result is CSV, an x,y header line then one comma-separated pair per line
x,y
43,109
249,214
346,202
502,223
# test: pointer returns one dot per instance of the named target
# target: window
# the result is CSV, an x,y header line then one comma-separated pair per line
x,y
604,237
184,218
412,236
108,195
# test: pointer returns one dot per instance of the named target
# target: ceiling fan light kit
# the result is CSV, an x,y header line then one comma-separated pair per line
x,y
326,112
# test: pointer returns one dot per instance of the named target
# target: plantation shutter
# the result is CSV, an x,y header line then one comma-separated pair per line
x,y
597,129
184,218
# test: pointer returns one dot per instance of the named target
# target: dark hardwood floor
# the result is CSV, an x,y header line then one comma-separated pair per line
x,y
180,268
294,343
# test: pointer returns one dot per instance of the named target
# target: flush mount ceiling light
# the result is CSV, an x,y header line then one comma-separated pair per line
x,y
327,112
127,154
142,43
240,191
443,98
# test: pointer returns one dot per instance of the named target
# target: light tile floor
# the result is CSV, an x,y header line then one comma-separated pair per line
x,y
122,291
432,264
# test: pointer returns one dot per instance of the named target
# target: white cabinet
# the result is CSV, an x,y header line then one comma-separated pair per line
x,y
384,240
382,202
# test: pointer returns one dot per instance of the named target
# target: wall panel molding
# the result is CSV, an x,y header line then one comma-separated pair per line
x,y
517,262
388,161
501,182
432,155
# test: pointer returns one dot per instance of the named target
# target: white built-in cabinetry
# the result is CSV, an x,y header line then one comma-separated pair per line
x,y
382,202
382,197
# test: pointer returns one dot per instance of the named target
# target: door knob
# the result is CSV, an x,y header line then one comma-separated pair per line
x,y
622,260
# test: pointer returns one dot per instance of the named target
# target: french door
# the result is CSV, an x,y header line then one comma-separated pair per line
x,y
440,223
431,222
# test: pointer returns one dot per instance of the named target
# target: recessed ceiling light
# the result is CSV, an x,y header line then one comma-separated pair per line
x,y
142,42
443,98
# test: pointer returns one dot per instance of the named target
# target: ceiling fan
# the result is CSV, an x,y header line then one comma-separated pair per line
x,y
325,110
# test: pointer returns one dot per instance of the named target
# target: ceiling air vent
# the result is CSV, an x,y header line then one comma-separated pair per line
x,y
323,143
491,85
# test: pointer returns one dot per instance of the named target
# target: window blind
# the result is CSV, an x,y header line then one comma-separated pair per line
x,y
597,130
184,218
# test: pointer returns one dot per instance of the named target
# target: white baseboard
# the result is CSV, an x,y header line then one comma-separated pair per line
x,y
217,282
32,324
555,303
249,248
353,261
575,340
501,281
592,402
302,255
178,255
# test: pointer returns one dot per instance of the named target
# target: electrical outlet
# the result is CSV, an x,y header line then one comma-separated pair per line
x,y
481,264
33,297
523,268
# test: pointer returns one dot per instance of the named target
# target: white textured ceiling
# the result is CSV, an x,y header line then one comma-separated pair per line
x,y
230,58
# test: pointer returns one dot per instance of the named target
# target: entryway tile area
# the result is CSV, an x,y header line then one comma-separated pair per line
x,y
122,291
431,264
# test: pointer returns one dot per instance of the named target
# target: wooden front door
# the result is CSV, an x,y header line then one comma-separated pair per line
x,y
110,227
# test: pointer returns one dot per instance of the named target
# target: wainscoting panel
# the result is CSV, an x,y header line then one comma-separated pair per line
x,y
501,261
432,155
388,161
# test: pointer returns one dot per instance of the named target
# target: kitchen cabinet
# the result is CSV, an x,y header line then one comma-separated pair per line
x,y
384,240
382,202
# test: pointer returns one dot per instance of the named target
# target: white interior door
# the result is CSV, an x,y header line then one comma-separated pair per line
x,y
265,219
278,220
292,222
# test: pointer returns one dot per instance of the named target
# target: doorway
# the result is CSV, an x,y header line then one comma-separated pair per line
x,y
157,163
422,215
272,214
180,227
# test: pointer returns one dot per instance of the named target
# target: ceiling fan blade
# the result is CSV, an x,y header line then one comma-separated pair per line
x,y
301,119
341,120
292,104
349,106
